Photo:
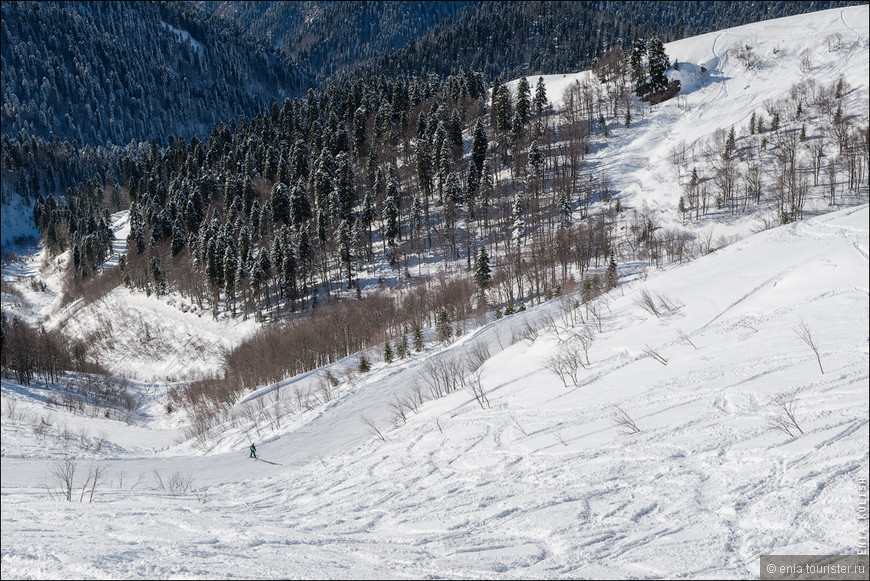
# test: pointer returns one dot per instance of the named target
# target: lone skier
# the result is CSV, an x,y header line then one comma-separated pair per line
x,y
253,452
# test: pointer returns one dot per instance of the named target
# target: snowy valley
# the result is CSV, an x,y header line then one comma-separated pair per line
x,y
705,412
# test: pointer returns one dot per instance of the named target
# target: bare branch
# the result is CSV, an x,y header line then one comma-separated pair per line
x,y
373,428
783,416
63,472
476,386
648,303
685,338
622,420
650,352
519,426
478,354
803,331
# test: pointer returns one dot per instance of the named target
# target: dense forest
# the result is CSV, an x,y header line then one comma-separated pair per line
x,y
505,39
327,37
83,82
112,72
86,83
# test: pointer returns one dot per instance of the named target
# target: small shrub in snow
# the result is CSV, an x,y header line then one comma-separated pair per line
x,y
622,420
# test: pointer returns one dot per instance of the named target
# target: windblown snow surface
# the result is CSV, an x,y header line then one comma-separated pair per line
x,y
540,481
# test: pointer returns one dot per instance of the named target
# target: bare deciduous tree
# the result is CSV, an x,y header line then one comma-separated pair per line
x,y
803,331
444,374
476,386
783,416
94,475
519,426
648,303
477,355
64,472
398,408
566,362
685,338
622,420
175,483
659,304
373,428
650,352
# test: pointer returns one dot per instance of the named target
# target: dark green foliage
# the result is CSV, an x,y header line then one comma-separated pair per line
x,y
157,276
502,108
657,62
390,217
637,62
402,348
730,145
482,270
611,278
479,144
523,102
540,102
132,56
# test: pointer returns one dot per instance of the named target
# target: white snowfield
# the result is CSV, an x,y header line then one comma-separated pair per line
x,y
542,482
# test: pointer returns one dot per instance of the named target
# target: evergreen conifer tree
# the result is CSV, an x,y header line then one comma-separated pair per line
x,y
540,102
523,102
658,64
636,63
482,270
730,145
479,144
611,278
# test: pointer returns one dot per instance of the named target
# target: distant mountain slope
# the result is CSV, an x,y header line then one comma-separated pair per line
x,y
509,39
82,79
330,36
112,72
499,38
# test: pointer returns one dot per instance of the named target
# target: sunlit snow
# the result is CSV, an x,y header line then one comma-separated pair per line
x,y
540,483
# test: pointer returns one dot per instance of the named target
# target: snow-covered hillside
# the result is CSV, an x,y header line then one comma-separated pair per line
x,y
536,476
539,483
726,76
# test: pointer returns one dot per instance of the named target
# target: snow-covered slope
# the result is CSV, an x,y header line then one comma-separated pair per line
x,y
134,335
726,76
540,482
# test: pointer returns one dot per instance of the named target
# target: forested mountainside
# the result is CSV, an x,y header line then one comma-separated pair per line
x,y
416,180
112,72
81,80
331,36
505,39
